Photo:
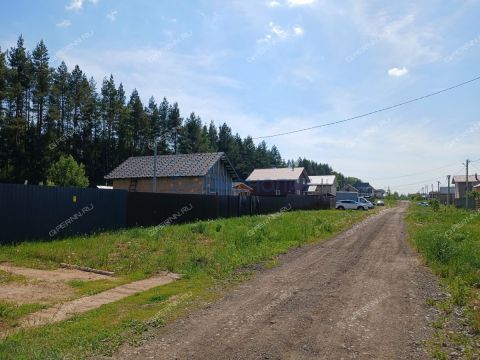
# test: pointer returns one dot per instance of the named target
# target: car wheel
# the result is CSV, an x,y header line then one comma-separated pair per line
x,y
341,208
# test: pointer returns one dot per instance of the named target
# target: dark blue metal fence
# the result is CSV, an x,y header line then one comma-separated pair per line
x,y
41,212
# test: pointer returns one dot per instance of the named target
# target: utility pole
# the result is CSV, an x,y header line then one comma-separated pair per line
x,y
466,181
432,191
438,190
448,192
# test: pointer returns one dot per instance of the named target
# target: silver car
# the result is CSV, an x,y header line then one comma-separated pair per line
x,y
350,205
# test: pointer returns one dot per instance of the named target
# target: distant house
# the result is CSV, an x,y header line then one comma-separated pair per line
x,y
203,173
364,189
241,189
379,193
443,196
350,188
326,184
278,181
460,182
476,188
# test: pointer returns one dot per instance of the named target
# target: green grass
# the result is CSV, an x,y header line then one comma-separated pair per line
x,y
212,255
449,241
10,313
94,287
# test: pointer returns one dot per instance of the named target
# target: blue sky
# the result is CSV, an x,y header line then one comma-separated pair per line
x,y
272,66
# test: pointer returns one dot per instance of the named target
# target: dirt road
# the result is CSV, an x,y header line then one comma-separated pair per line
x,y
360,295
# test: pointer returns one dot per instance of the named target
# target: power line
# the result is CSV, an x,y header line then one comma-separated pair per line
x,y
371,112
413,174
425,181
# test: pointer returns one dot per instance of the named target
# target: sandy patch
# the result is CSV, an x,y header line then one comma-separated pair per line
x,y
43,293
53,275
66,310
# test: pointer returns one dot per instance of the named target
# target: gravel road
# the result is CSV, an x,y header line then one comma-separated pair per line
x,y
359,295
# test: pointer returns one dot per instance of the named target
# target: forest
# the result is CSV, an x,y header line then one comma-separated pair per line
x,y
48,112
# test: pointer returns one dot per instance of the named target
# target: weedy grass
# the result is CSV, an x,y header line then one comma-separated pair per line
x,y
10,313
211,255
449,241
87,288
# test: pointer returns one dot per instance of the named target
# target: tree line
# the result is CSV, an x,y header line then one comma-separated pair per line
x,y
47,113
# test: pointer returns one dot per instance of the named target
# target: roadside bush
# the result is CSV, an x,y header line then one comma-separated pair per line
x,y
459,292
441,249
435,205
199,228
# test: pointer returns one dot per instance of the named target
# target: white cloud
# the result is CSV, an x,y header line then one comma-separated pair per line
x,y
273,3
63,24
398,72
78,4
298,30
112,15
289,3
299,2
75,5
277,33
401,36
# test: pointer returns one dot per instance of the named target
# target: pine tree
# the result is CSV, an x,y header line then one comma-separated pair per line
x,y
190,139
162,144
212,137
204,145
153,115
109,123
17,122
3,82
138,124
47,114
174,123
41,81
3,114
90,154
276,158
225,138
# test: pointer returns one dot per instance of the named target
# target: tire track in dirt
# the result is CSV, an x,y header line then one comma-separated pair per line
x,y
360,295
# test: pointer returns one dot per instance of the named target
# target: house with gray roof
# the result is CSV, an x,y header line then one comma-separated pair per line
x,y
324,184
460,182
278,181
202,173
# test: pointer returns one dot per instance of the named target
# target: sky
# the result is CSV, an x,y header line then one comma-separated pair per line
x,y
268,67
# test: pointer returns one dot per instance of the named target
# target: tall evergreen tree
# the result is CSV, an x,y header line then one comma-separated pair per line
x,y
41,82
139,124
18,119
174,123
190,139
212,137
47,114
162,145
